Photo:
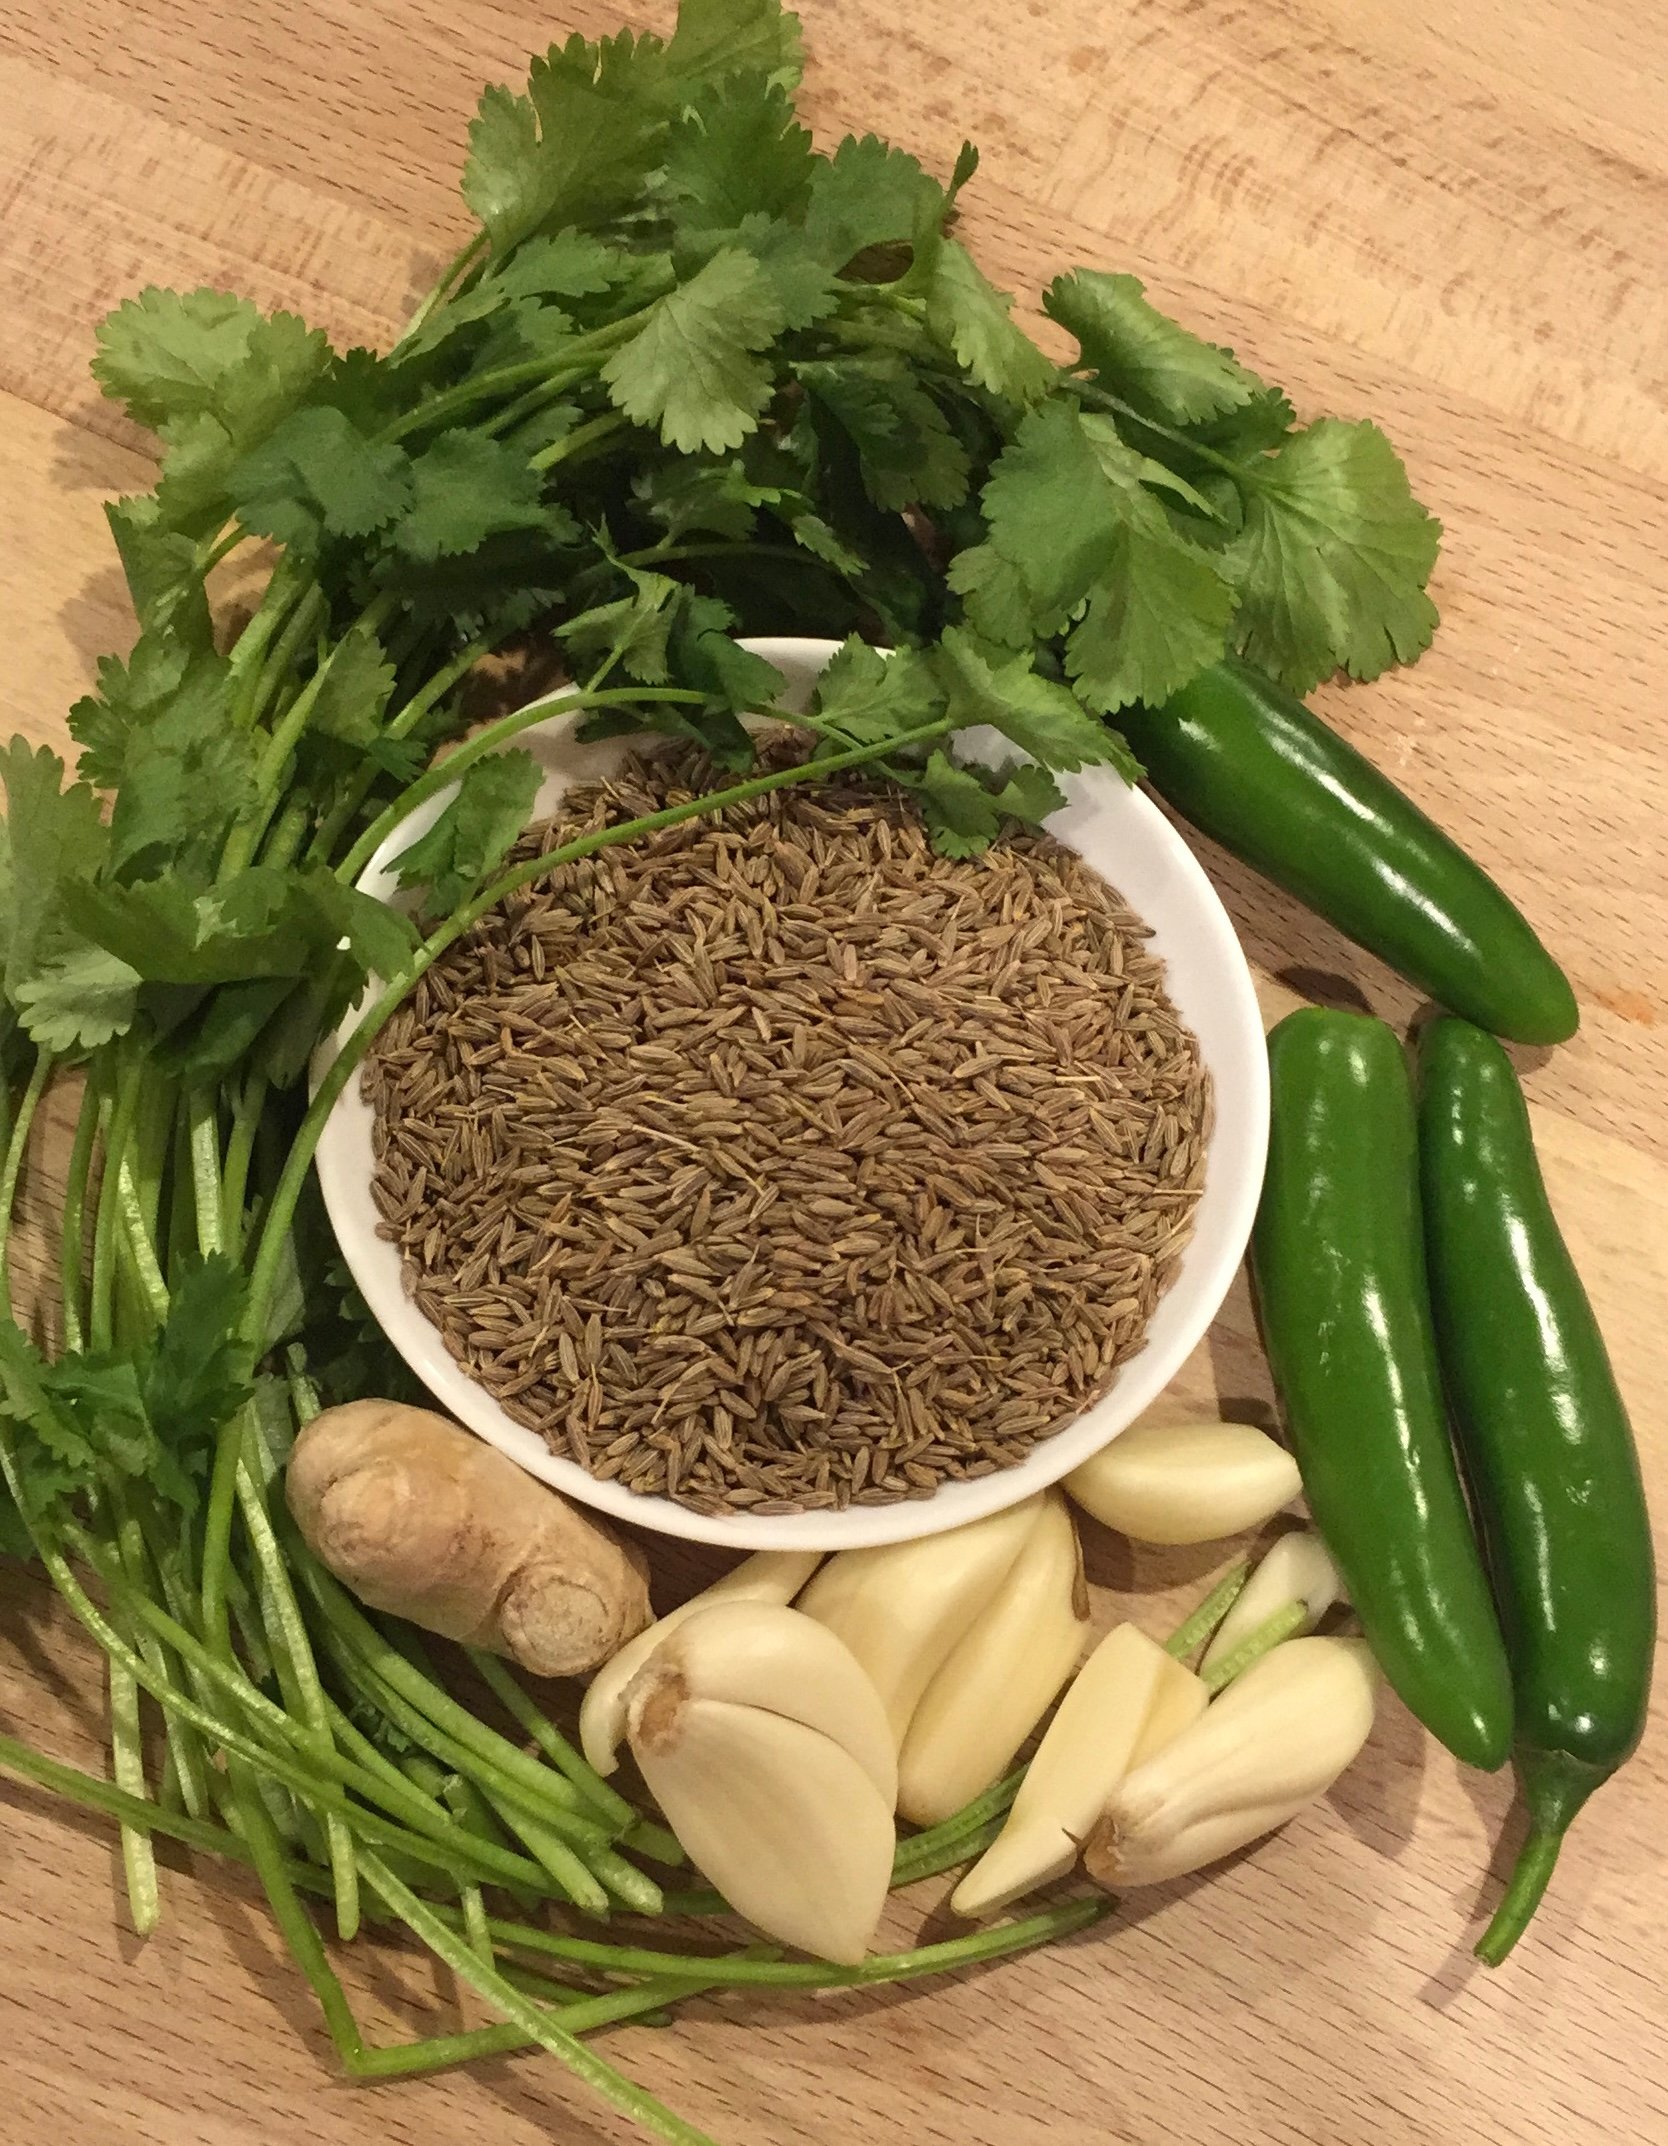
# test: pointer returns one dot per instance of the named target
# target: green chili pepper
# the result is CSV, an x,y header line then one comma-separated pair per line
x,y
1545,1437
1340,1273
1246,761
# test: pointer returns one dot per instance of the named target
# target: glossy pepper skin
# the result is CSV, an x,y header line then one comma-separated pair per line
x,y
1248,763
1546,1441
1338,1258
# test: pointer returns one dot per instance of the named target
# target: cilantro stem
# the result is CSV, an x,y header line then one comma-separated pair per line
x,y
12,1169
453,273
661,554
574,443
72,1247
539,2023
101,1322
578,363
127,1765
1103,399
607,1801
1254,1646
1210,1613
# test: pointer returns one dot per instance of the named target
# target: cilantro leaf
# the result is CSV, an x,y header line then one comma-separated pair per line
x,y
865,696
1332,562
475,833
804,286
1074,524
564,264
715,38
1030,793
962,816
738,151
185,775
466,487
970,316
684,493
51,836
690,369
868,194
1141,353
631,630
160,568
996,598
190,1374
80,998
169,355
1041,717
908,453
705,656
575,149
315,475
356,688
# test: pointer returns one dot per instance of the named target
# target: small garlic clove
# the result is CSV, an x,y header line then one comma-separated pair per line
x,y
1186,1482
784,1822
765,1655
902,1606
1298,1568
1099,1726
768,1576
1001,1677
1278,1737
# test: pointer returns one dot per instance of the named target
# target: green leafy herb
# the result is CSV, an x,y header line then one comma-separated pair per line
x,y
474,833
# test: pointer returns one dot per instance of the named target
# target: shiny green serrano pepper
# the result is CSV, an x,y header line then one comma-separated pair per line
x,y
1248,763
1338,1258
1545,1438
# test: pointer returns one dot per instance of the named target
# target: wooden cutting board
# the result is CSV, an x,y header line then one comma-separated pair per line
x,y
1454,219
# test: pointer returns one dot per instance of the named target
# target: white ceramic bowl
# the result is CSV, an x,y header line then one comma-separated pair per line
x,y
1126,838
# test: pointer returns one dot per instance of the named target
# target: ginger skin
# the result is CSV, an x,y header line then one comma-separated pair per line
x,y
422,1519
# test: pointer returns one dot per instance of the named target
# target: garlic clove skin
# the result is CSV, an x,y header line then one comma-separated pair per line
x,y
784,1822
1298,1568
1096,1732
764,1655
901,1607
768,1576
1277,1738
1186,1482
1001,1677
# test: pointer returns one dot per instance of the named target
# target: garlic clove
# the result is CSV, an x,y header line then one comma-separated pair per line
x,y
1176,1704
1186,1482
1001,1677
1298,1568
784,1822
902,1606
1093,1738
768,1576
765,1655
1278,1737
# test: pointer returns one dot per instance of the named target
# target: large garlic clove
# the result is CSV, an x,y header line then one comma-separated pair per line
x,y
902,1606
764,1655
768,1576
1278,1737
1001,1677
784,1822
1186,1482
1127,1695
1298,1568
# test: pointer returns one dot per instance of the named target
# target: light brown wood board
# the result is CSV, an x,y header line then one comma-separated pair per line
x,y
1454,218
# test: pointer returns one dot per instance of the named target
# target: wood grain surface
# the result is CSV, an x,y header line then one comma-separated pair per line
x,y
1455,218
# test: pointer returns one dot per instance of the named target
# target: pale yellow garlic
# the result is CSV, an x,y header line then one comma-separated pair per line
x,y
1277,1738
1186,1482
1127,1700
769,1576
1001,1677
901,1607
1298,1568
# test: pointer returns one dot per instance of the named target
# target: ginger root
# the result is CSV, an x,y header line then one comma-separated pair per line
x,y
420,1518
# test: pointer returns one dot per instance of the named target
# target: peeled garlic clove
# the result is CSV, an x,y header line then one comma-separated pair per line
x,y
1298,1568
784,1822
1001,1677
1278,1737
764,1655
769,1576
1186,1482
902,1606
1128,1683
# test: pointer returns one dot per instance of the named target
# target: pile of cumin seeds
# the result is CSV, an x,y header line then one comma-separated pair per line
x,y
775,1163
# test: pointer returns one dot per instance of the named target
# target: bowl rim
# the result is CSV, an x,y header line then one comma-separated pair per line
x,y
1208,1264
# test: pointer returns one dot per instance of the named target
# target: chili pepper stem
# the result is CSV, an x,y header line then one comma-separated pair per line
x,y
1555,1786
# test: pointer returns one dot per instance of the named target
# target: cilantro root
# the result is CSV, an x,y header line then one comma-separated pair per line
x,y
688,380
